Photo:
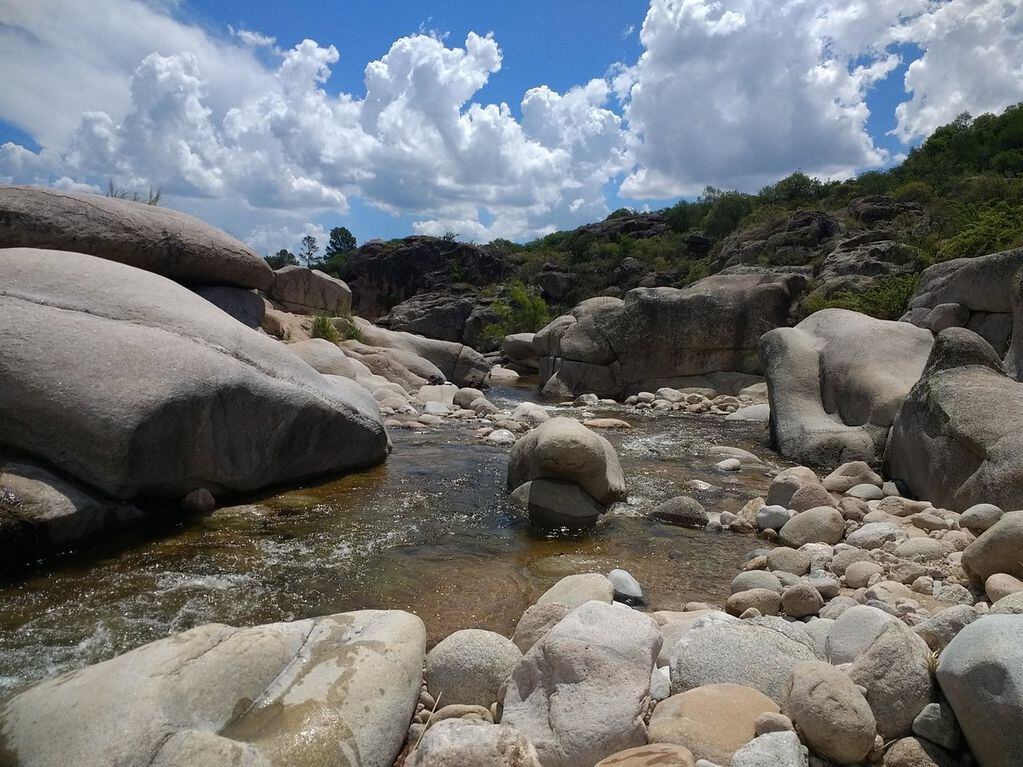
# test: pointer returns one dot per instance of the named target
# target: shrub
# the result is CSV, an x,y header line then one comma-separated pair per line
x,y
324,328
983,228
915,191
347,329
886,299
521,311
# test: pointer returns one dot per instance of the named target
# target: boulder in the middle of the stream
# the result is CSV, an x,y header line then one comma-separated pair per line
x,y
565,474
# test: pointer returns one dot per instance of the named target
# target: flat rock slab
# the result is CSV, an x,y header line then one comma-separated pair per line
x,y
340,689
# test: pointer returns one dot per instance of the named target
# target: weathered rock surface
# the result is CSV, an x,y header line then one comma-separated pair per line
x,y
554,503
147,389
712,721
469,667
580,694
336,689
310,291
830,712
836,381
660,336
981,675
473,744
757,653
577,589
246,306
563,448
148,237
999,549
460,364
958,439
653,755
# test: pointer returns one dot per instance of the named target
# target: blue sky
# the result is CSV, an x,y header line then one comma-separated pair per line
x,y
489,119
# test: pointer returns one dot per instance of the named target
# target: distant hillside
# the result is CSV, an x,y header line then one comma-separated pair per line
x,y
860,242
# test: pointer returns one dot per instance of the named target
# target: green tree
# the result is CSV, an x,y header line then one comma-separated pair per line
x,y
341,242
281,259
309,250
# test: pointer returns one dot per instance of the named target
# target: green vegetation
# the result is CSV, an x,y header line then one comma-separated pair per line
x,y
347,330
887,299
521,310
324,328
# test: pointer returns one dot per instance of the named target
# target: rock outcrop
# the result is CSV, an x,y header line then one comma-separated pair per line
x,y
836,381
460,364
310,291
383,274
340,689
661,336
958,439
137,386
148,237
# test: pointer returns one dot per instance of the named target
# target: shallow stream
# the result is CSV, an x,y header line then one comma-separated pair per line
x,y
430,530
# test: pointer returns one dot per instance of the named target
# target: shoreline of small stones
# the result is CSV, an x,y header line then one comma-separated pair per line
x,y
869,636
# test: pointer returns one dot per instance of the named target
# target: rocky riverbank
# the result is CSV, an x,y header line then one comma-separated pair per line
x,y
152,365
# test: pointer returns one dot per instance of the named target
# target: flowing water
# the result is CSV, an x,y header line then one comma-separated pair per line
x,y
430,530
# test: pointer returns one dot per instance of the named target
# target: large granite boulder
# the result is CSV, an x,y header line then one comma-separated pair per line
x,y
981,676
562,448
460,364
340,689
581,693
434,315
836,381
383,274
660,336
138,387
246,306
958,439
149,237
999,549
310,291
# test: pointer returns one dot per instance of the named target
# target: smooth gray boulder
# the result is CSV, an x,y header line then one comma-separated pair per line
x,y
836,381
581,693
303,290
830,712
324,357
460,364
999,549
981,675
958,439
564,449
579,588
660,336
522,351
822,524
148,237
336,689
469,667
759,653
772,749
135,385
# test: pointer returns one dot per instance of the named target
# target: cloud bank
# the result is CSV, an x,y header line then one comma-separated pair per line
x,y
734,94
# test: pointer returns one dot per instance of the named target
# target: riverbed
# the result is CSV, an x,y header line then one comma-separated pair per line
x,y
431,531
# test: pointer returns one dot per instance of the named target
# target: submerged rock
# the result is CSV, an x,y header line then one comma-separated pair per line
x,y
324,690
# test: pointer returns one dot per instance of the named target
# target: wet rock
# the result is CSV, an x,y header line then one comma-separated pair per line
x,y
286,693
683,511
981,674
469,667
712,721
554,503
581,692
564,449
627,588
